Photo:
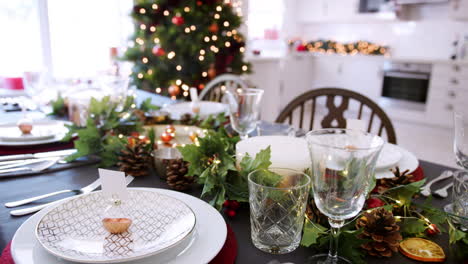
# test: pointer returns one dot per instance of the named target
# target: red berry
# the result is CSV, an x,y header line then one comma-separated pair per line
x,y
234,205
374,202
231,213
301,47
226,203
432,229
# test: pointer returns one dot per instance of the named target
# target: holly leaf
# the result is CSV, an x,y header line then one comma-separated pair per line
x,y
261,161
311,233
413,226
456,235
350,246
404,193
193,155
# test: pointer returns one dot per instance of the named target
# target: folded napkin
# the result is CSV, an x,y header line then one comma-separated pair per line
x,y
227,255
13,150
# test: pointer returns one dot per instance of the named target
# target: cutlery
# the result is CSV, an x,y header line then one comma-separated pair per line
x,y
19,163
442,192
34,209
39,155
43,165
87,189
426,189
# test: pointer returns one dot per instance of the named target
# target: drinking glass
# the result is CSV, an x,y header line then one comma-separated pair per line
x,y
277,200
343,166
460,142
275,129
460,197
244,109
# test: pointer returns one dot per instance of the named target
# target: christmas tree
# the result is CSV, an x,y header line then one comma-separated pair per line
x,y
180,44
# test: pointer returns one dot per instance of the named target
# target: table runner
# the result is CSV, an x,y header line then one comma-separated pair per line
x,y
13,150
227,255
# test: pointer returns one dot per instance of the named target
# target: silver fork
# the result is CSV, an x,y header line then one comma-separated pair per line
x,y
442,192
87,189
34,209
426,189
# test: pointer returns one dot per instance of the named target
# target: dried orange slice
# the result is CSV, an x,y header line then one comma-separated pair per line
x,y
422,250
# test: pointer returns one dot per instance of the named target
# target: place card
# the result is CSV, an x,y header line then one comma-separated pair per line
x,y
113,184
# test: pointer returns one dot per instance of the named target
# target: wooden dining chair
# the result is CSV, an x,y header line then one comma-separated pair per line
x,y
215,89
333,115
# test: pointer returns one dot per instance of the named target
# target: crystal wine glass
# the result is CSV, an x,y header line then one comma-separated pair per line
x,y
244,109
343,167
460,142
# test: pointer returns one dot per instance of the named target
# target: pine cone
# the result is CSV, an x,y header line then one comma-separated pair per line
x,y
314,214
177,177
382,185
134,159
380,226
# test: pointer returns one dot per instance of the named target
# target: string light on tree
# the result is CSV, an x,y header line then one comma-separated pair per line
x,y
144,60
178,82
202,52
154,6
242,49
227,44
150,71
206,39
229,34
216,16
214,37
204,74
201,57
142,26
226,24
187,30
187,9
193,27
185,93
178,68
171,55
185,87
156,40
158,90
140,75
245,68
142,11
166,13
139,41
152,28
219,8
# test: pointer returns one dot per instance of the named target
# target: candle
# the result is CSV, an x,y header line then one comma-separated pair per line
x,y
286,152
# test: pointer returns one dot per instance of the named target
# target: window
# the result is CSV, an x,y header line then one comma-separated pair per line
x,y
73,38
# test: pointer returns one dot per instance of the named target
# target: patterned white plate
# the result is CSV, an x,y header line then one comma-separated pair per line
x,y
73,230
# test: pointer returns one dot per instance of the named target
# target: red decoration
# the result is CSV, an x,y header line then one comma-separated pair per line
x,y
170,129
199,3
212,72
301,47
166,137
178,20
432,229
174,90
231,213
213,28
158,51
374,202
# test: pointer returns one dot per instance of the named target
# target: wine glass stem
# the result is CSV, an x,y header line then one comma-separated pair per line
x,y
244,136
335,234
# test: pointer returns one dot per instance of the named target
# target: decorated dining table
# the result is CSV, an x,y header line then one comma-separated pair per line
x,y
197,192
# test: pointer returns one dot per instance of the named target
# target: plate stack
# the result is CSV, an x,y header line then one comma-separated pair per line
x,y
167,227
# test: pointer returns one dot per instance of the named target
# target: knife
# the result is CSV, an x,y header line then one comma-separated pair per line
x,y
34,209
43,165
39,155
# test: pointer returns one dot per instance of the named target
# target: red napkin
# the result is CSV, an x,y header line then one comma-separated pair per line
x,y
13,150
227,255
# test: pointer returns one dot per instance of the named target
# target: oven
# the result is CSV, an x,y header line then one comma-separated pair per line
x,y
406,85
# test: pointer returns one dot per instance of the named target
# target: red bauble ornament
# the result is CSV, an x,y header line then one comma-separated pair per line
x,y
374,202
432,229
213,28
199,3
301,47
170,129
178,20
166,137
174,90
231,213
158,51
212,72
201,86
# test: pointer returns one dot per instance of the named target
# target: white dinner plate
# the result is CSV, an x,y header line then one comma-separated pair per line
x,y
209,237
73,230
389,156
206,108
408,161
52,131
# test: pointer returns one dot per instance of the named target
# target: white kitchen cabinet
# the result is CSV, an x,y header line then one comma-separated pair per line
x,y
459,9
326,10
